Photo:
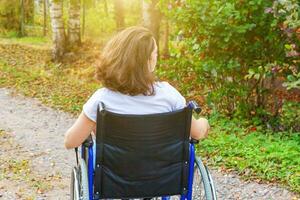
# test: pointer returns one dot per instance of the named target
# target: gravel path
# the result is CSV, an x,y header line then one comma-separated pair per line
x,y
39,131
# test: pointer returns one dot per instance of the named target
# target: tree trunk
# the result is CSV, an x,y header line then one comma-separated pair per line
x,y
74,24
119,14
45,17
83,16
22,31
166,40
58,29
152,18
28,11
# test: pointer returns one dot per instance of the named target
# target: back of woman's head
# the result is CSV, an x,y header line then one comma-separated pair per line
x,y
124,63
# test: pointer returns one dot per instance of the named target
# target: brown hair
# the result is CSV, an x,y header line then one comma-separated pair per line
x,y
124,63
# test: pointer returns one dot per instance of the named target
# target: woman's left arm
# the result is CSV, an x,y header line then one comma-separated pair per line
x,y
80,130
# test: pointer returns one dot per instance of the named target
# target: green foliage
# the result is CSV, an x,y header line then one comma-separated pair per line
x,y
231,45
290,116
288,15
293,81
254,154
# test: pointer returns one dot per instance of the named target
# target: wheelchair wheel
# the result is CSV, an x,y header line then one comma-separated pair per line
x,y
202,188
74,187
212,185
79,182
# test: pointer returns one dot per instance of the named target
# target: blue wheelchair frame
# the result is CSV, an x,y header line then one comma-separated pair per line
x,y
90,164
188,196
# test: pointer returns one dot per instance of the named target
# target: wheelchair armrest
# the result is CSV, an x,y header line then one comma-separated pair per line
x,y
88,142
194,106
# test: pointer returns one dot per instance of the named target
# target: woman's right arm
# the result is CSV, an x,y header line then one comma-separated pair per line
x,y
80,130
199,128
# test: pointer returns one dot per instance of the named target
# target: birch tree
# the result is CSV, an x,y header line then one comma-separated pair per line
x,y
58,29
74,23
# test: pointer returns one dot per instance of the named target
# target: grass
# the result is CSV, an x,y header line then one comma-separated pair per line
x,y
40,41
12,37
31,40
254,155
272,157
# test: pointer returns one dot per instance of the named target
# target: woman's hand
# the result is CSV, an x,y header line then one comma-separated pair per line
x,y
199,128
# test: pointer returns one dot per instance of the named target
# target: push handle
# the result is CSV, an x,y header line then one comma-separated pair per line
x,y
88,142
76,152
194,106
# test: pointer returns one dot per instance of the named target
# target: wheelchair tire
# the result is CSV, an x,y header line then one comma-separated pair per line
x,y
74,187
84,181
201,184
79,187
212,185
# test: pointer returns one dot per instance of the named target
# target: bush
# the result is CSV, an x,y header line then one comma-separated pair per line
x,y
232,46
287,14
290,116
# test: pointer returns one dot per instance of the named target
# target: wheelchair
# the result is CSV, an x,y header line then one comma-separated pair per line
x,y
141,157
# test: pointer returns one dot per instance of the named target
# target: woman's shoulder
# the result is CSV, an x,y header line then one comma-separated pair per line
x,y
97,96
100,92
167,87
172,94
163,84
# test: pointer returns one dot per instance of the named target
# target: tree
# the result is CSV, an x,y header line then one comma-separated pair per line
x,y
152,17
166,39
28,11
119,13
83,17
22,23
45,17
74,38
58,29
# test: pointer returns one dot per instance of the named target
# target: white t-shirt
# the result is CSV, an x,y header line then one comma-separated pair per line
x,y
166,99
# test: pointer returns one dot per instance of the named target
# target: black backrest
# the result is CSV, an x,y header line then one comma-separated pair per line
x,y
142,155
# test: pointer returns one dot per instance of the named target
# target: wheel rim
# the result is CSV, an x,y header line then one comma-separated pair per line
x,y
198,186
